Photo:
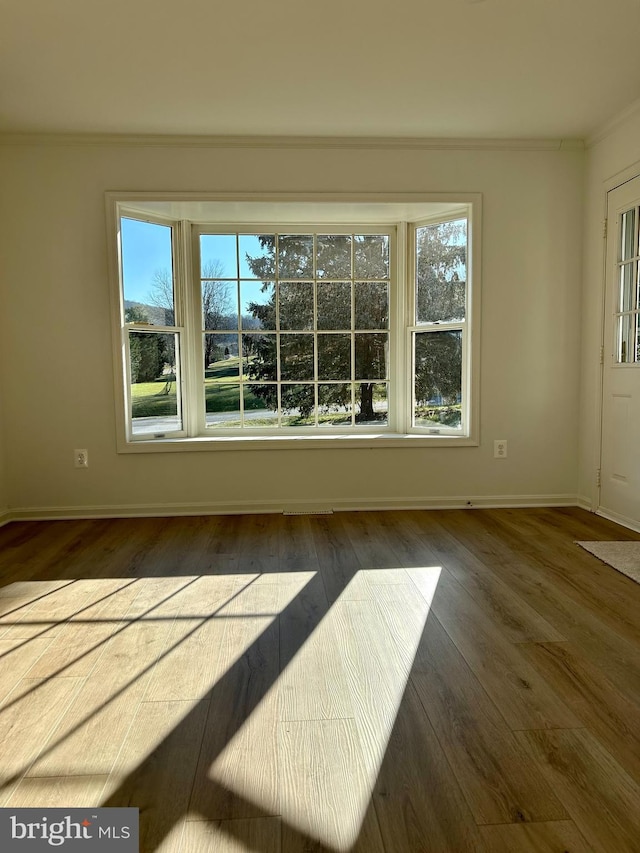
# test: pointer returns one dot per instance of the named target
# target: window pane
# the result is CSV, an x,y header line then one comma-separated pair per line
x,y
257,254
222,404
260,406
372,405
628,339
258,305
627,287
334,305
219,304
372,305
438,379
334,405
156,406
218,256
628,248
295,256
147,272
371,256
296,306
260,357
296,357
371,356
334,256
441,271
298,405
221,357
334,356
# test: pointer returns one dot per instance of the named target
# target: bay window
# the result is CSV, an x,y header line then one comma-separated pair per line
x,y
295,328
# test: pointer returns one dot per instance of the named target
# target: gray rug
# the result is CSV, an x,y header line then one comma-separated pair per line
x,y
623,556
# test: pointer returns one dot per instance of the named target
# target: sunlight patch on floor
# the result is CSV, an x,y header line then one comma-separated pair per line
x,y
333,708
304,694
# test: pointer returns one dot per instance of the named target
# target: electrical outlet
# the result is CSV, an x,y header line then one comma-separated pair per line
x,y
500,448
81,458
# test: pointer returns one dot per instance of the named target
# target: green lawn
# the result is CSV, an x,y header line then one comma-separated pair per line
x,y
445,415
158,398
222,390
222,394
223,371
154,399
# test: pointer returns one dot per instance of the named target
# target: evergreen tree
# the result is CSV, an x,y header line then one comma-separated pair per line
x,y
149,351
441,256
440,297
295,314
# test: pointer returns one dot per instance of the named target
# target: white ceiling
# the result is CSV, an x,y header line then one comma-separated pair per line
x,y
409,68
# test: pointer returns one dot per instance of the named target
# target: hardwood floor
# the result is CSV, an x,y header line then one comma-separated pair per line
x,y
393,682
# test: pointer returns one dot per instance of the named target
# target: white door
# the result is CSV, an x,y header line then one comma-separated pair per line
x,y
620,454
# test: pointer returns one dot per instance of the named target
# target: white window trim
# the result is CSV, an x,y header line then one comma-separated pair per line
x,y
139,205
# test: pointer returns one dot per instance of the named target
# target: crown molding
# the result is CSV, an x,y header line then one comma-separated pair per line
x,y
613,124
289,142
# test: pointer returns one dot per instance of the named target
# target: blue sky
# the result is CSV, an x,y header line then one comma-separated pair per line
x,y
146,249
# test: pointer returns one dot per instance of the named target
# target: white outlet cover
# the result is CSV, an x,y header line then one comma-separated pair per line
x,y
81,458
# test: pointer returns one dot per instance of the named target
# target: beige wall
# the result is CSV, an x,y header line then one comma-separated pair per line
x,y
58,373
609,161
4,493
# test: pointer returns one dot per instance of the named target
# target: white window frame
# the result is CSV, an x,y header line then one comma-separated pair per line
x,y
296,228
400,432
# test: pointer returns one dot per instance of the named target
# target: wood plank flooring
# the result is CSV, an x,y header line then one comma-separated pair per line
x,y
392,682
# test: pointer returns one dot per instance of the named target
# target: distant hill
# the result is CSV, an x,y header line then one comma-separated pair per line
x,y
154,314
164,317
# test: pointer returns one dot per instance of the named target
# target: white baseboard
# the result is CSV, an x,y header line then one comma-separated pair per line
x,y
585,503
5,516
250,507
631,523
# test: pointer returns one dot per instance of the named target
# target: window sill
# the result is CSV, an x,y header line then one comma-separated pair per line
x,y
302,442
